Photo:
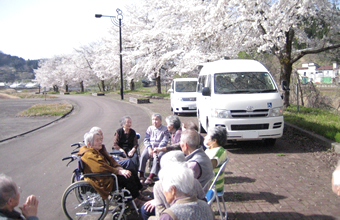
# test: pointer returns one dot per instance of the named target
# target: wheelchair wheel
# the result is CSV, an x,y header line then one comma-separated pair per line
x,y
73,178
116,215
81,201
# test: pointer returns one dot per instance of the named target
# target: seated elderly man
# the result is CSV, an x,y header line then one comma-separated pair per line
x,y
196,158
178,182
9,199
157,136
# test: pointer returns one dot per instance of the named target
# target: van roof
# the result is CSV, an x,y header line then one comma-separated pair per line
x,y
185,79
233,65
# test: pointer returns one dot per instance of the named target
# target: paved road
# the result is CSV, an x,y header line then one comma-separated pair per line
x,y
34,160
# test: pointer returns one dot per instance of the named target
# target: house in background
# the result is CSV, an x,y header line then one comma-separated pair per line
x,y
3,85
312,72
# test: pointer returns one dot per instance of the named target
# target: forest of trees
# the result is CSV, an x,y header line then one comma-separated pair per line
x,y
13,68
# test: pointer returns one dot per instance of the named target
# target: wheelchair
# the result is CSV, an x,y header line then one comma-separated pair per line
x,y
81,201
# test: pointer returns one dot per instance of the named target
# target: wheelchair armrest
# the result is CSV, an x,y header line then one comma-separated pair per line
x,y
97,174
117,153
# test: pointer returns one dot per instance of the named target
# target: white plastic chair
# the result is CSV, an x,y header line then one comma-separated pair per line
x,y
220,195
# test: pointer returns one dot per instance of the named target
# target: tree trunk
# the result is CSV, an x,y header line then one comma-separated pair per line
x,y
82,86
103,85
286,64
158,84
66,88
100,88
55,88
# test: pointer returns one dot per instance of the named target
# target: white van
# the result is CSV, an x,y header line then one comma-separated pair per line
x,y
242,96
183,95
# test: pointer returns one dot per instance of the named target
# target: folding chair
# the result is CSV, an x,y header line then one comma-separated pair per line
x,y
211,196
220,195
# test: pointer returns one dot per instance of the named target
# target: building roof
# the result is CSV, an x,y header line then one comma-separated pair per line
x,y
327,67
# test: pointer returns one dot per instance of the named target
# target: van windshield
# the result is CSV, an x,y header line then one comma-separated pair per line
x,y
247,82
186,86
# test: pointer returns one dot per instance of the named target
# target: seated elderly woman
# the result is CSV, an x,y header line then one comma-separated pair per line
x,y
97,160
174,127
215,140
156,136
125,140
126,163
178,182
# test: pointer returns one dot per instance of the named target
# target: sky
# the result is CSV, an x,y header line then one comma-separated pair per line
x,y
37,29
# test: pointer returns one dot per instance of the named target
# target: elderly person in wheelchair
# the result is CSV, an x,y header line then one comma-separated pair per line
x,y
97,160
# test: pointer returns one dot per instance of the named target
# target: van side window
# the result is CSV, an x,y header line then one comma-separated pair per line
x,y
201,83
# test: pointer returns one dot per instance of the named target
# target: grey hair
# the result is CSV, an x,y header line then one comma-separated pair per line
x,y
89,138
218,133
191,137
171,157
8,189
173,120
96,129
157,115
190,125
177,175
122,121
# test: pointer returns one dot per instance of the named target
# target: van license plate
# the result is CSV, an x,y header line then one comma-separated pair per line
x,y
192,106
250,134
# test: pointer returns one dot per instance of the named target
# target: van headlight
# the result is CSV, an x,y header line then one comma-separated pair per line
x,y
220,113
275,112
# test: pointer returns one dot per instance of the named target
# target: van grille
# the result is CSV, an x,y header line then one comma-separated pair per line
x,y
189,99
249,127
251,114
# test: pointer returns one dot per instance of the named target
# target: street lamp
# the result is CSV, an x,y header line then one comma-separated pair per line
x,y
117,21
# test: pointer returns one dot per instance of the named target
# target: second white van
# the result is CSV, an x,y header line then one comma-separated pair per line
x,y
242,96
183,95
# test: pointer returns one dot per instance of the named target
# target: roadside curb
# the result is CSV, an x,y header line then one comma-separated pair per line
x,y
63,116
320,139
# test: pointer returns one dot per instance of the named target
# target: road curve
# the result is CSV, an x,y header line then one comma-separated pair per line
x,y
34,160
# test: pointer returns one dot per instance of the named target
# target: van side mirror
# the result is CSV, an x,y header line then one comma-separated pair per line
x,y
285,86
206,91
170,90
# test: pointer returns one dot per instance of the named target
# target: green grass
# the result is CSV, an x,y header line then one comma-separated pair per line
x,y
148,91
55,109
323,122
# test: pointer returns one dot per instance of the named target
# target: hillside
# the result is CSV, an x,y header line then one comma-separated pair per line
x,y
13,68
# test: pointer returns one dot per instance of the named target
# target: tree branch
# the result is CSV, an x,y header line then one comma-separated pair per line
x,y
303,53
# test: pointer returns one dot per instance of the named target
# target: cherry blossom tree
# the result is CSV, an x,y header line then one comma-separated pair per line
x,y
287,29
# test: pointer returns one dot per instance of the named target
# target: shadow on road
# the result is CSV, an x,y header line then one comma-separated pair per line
x,y
290,142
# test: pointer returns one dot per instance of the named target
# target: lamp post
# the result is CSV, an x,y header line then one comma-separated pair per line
x,y
117,21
